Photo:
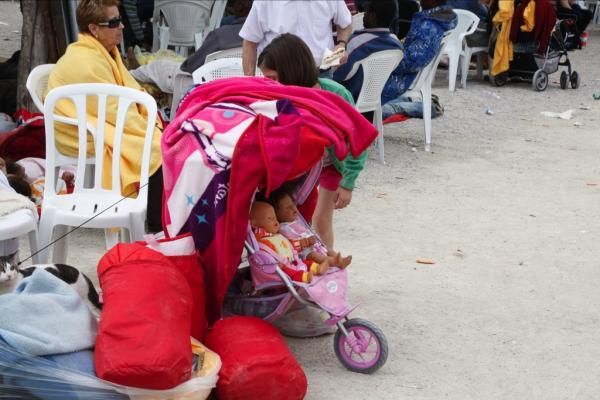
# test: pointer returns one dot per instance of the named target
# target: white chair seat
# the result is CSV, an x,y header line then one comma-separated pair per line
x,y
20,223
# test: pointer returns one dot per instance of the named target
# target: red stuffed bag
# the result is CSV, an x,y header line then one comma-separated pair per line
x,y
144,333
183,254
257,363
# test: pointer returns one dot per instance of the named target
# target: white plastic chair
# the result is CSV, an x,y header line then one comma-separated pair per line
x,y
218,69
466,25
480,52
94,207
357,22
235,52
376,70
37,82
182,23
422,86
19,223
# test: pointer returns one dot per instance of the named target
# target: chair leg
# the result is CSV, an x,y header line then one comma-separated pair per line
x,y
59,253
464,72
46,228
378,119
452,71
426,95
163,37
34,247
111,237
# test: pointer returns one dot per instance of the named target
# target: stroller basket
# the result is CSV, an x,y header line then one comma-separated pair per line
x,y
261,307
549,62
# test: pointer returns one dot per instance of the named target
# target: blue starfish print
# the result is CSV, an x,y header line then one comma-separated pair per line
x,y
204,202
190,199
201,218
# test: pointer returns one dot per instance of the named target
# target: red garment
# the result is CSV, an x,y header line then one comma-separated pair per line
x,y
27,140
545,20
395,118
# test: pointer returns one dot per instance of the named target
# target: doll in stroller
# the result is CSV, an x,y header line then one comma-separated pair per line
x,y
272,284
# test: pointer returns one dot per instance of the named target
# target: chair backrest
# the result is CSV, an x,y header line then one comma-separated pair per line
x,y
376,70
357,22
426,75
37,82
466,24
218,69
235,52
185,19
82,96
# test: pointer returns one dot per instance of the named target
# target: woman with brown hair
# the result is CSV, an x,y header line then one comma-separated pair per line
x,y
95,58
288,60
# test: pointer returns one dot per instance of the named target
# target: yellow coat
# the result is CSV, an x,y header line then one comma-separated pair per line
x,y
87,61
503,52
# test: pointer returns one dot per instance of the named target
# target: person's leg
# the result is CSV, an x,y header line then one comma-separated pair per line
x,y
154,205
323,216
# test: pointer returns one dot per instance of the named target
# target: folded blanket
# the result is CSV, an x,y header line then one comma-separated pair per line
x,y
11,202
44,315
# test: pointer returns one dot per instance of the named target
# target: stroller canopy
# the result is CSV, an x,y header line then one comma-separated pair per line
x,y
233,136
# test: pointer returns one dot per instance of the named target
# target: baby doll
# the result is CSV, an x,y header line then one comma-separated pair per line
x,y
266,228
303,240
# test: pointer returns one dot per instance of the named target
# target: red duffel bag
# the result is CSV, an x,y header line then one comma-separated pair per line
x,y
144,333
182,252
257,363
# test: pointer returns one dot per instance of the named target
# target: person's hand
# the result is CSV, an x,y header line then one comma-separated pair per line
x,y
343,198
344,58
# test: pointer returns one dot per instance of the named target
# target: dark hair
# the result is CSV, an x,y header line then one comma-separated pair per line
x,y
91,12
12,168
384,12
20,185
291,58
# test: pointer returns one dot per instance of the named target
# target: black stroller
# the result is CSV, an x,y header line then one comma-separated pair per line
x,y
530,66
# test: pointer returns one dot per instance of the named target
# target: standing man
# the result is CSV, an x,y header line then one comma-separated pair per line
x,y
310,20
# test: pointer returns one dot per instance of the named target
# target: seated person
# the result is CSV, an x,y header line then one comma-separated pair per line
x,y
298,233
406,10
420,45
375,37
569,9
480,37
266,228
223,38
95,58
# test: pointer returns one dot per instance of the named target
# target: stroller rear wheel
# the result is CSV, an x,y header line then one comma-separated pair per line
x,y
364,350
540,80
498,80
564,80
575,80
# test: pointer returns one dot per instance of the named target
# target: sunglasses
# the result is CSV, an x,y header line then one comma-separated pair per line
x,y
111,23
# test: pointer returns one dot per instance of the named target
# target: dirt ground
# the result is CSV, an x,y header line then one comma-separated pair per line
x,y
508,207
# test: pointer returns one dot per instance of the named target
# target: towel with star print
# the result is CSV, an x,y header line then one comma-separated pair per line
x,y
232,137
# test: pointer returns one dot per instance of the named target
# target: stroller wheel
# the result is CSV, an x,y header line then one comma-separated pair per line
x,y
564,80
498,80
364,350
575,80
540,80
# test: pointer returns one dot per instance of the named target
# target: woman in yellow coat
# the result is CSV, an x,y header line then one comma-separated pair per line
x,y
95,58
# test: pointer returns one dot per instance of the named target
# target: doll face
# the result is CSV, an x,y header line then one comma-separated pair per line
x,y
286,210
262,215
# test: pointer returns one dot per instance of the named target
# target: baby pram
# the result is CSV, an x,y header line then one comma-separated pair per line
x,y
264,290
529,65
262,134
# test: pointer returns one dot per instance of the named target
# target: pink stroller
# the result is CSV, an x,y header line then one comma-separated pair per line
x,y
359,344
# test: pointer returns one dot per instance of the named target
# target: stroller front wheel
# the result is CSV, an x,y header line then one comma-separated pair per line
x,y
575,80
540,80
364,350
564,80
